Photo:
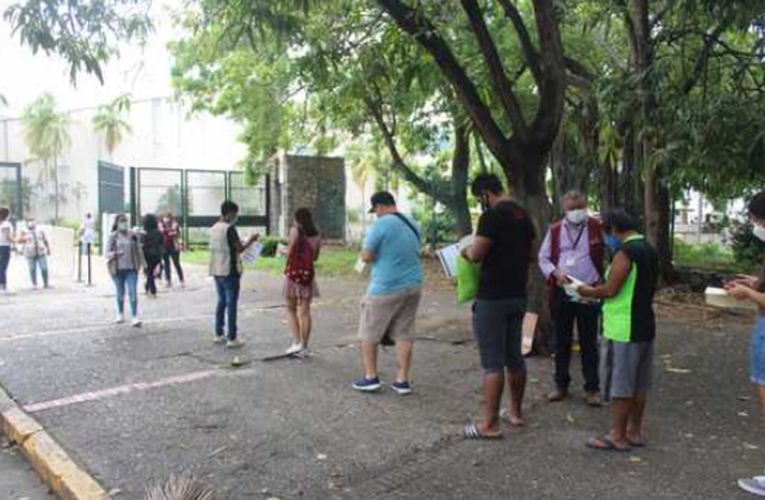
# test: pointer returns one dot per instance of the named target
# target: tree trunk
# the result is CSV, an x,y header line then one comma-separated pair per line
x,y
459,182
656,193
55,187
607,187
570,172
530,192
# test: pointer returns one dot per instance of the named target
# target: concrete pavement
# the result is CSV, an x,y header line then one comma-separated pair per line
x,y
134,406
17,479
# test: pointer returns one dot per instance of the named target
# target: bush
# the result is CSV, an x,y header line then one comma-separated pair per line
x,y
706,255
747,248
437,228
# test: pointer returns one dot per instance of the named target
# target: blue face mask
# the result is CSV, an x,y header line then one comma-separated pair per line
x,y
613,243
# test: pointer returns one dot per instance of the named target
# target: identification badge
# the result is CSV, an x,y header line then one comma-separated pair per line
x,y
570,262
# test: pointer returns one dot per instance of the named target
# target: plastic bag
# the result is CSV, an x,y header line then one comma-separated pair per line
x,y
468,277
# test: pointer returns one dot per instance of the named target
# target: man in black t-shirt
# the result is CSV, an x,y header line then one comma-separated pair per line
x,y
503,246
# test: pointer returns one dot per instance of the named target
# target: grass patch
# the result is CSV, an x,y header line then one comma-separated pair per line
x,y
334,262
705,256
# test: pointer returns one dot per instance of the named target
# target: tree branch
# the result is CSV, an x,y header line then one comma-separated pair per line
x,y
527,46
701,61
374,105
499,79
422,30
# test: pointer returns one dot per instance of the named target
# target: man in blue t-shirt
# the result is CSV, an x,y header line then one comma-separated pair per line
x,y
392,247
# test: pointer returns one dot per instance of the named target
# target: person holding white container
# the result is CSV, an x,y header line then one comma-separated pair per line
x,y
752,288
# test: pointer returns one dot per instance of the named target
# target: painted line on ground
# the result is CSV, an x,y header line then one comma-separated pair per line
x,y
119,390
246,312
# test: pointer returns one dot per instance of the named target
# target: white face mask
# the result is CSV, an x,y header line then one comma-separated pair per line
x,y
576,216
122,226
166,220
759,232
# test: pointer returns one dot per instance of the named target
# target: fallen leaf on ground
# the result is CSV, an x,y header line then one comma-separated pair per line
x,y
677,370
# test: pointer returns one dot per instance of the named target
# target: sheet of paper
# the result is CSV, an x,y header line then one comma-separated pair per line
x,y
252,254
448,257
360,267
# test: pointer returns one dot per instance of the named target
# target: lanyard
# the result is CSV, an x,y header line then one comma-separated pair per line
x,y
578,237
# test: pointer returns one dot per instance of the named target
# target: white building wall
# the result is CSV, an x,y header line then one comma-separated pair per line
x,y
163,135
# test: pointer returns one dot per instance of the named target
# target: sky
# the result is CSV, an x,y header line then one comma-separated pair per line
x,y
142,71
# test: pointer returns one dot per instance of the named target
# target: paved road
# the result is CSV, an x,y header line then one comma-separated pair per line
x,y
135,406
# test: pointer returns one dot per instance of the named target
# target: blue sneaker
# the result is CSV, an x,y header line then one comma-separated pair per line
x,y
368,384
403,388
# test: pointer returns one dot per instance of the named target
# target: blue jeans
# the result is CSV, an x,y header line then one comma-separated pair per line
x,y
228,303
5,260
757,352
39,261
127,278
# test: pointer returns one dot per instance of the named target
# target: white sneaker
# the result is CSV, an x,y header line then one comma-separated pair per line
x,y
295,348
754,485
234,344
136,322
119,319
220,339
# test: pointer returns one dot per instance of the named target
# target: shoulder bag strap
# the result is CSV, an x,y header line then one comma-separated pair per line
x,y
409,224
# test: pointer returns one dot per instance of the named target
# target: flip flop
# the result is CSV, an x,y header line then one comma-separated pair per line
x,y
471,432
606,444
637,444
505,416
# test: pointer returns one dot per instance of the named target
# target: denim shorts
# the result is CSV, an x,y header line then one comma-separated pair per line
x,y
757,352
498,329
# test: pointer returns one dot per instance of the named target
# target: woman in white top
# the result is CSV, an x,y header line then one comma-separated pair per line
x,y
6,242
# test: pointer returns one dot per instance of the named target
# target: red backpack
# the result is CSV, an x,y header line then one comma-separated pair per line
x,y
300,269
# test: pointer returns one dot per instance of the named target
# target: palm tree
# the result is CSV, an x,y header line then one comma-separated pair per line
x,y
46,134
109,121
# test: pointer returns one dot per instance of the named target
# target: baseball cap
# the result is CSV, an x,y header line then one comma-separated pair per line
x,y
383,198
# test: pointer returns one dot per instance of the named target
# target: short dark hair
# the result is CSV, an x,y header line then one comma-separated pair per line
x,y
150,222
486,182
619,220
757,205
382,198
229,207
4,213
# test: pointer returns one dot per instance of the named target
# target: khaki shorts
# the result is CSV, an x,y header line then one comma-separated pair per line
x,y
394,314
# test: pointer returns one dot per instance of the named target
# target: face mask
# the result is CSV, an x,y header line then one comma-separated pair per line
x,y
613,243
576,217
31,225
122,226
759,232
166,220
234,221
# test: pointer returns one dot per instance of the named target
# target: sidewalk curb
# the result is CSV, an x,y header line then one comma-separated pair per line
x,y
54,466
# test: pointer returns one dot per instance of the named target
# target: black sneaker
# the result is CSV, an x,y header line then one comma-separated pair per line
x,y
403,388
368,384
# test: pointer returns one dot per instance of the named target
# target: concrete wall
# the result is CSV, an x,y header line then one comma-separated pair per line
x,y
316,183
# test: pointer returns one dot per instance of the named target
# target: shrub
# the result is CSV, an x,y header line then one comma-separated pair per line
x,y
747,248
